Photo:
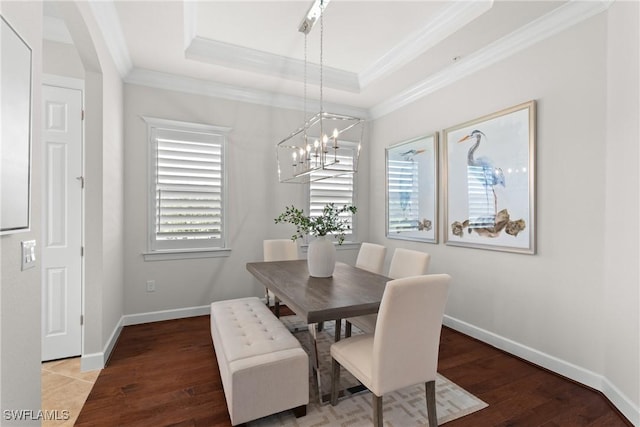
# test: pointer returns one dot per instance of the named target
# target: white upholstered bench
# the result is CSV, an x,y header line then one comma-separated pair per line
x,y
264,369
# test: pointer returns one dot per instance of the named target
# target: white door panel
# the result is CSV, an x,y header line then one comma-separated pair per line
x,y
62,223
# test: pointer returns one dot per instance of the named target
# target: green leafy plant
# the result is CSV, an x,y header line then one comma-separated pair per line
x,y
329,222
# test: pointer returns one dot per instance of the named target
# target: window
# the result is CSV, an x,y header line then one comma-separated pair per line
x,y
333,189
187,186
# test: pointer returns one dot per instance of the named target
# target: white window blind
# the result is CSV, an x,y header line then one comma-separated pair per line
x,y
338,190
187,187
404,206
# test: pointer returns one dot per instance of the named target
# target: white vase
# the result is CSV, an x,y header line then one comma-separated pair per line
x,y
321,257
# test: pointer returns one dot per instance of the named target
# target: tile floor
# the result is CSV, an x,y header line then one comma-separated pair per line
x,y
65,388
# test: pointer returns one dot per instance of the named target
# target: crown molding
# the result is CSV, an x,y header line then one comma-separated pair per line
x,y
234,56
105,14
194,86
190,19
558,20
243,58
448,21
542,28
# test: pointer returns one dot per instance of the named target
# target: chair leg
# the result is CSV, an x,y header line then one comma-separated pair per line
x,y
377,410
276,305
347,329
431,403
266,296
335,381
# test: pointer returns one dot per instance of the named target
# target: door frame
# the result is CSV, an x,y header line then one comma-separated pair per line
x,y
76,84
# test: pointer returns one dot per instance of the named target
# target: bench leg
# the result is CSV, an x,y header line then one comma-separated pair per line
x,y
300,411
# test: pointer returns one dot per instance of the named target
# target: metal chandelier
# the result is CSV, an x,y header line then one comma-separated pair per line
x,y
327,144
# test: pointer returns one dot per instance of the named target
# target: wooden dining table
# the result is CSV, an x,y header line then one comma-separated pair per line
x,y
350,292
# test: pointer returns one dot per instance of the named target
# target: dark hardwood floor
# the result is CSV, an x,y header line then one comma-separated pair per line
x,y
166,374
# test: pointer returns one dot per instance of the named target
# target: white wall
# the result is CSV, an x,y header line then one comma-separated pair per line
x,y
104,284
621,296
104,221
61,59
255,198
20,290
546,307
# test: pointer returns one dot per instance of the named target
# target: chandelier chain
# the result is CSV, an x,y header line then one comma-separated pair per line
x,y
321,63
305,84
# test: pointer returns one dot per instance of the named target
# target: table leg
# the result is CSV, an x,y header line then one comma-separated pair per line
x,y
315,360
276,307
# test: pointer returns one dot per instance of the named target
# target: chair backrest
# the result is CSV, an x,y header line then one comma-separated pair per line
x,y
407,335
279,250
407,263
371,257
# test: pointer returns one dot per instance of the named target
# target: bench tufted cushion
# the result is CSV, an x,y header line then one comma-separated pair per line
x,y
264,369
250,329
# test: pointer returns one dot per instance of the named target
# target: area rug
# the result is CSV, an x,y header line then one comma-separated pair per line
x,y
406,407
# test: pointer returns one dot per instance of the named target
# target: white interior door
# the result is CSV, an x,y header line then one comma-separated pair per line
x,y
62,223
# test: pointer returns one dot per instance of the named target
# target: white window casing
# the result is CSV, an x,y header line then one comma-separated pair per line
x,y
187,186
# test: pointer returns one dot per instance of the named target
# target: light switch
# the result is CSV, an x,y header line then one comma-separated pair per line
x,y
28,254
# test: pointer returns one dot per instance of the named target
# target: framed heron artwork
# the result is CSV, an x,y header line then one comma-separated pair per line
x,y
412,190
490,181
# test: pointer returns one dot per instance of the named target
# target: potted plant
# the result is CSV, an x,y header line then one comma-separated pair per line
x,y
321,256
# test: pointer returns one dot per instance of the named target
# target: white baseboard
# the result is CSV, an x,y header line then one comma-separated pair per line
x,y
94,361
620,401
559,366
158,316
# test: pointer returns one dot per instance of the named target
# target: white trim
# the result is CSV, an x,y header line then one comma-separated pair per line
x,y
106,15
158,316
186,126
552,363
190,20
558,20
449,20
93,361
167,255
244,58
542,28
201,87
345,246
621,402
160,250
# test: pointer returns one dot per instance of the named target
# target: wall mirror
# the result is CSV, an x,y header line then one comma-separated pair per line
x,y
15,122
412,190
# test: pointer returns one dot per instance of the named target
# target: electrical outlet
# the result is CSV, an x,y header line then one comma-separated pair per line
x,y
151,285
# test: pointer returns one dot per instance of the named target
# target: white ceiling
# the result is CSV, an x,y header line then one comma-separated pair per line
x,y
377,55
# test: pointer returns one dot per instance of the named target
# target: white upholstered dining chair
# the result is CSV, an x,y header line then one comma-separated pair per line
x,y
371,257
278,250
404,263
407,262
403,350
